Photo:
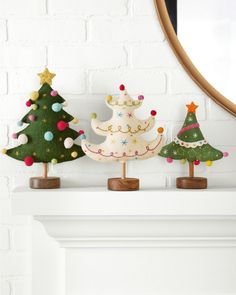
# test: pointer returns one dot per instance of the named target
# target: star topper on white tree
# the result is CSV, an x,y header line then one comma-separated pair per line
x,y
123,138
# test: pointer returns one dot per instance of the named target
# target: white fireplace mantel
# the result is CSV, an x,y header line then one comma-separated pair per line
x,y
137,237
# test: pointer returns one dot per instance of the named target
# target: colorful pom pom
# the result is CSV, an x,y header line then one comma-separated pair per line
x,y
81,132
28,103
93,116
209,163
196,162
68,142
62,125
56,107
34,95
65,104
29,161
19,123
122,87
140,97
109,98
74,154
160,130
23,138
169,160
34,106
48,136
54,93
4,151
82,136
183,161
153,113
75,121
32,118
225,154
14,136
54,161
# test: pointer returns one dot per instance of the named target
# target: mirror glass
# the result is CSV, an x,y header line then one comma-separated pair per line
x,y
207,31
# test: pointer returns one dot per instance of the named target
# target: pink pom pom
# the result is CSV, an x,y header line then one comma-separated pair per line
x,y
29,161
196,162
54,93
122,87
32,117
225,154
28,103
14,135
169,160
62,125
153,113
81,132
140,97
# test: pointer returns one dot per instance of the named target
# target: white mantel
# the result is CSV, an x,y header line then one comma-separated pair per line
x,y
145,242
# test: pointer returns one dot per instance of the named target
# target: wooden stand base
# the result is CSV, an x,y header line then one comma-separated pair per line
x,y
191,182
123,184
44,183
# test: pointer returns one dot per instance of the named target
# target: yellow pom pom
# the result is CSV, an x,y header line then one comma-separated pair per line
x,y
74,154
183,161
34,95
75,121
34,107
109,98
4,151
209,163
54,161
93,116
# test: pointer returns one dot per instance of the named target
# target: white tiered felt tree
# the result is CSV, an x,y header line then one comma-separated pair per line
x,y
124,139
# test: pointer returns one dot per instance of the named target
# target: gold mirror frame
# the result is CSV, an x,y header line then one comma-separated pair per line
x,y
186,61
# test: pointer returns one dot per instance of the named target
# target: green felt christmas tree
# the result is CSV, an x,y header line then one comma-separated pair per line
x,y
47,138
190,145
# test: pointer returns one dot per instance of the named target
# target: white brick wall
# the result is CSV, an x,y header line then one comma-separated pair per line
x,y
93,46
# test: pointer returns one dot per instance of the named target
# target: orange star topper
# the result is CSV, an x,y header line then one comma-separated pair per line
x,y
192,107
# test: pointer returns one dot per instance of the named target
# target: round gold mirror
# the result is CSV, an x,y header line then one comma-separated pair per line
x,y
167,11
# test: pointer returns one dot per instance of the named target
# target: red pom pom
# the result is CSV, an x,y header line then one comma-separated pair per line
x,y
153,113
62,125
28,103
122,87
81,132
196,162
29,161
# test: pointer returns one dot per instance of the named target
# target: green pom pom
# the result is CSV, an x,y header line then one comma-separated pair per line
x,y
93,116
54,161
34,107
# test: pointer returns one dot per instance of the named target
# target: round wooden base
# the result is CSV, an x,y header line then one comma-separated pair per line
x,y
123,184
191,182
44,183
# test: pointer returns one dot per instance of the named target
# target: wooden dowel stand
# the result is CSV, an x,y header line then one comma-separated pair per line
x,y
45,170
191,169
123,170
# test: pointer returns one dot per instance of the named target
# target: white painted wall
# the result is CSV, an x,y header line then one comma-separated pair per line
x,y
93,46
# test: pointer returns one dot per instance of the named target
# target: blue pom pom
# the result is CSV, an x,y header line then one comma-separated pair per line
x,y
82,136
20,123
48,136
56,107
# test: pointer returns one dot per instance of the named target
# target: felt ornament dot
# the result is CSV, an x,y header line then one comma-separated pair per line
x,y
23,139
54,161
56,107
93,116
54,93
34,95
48,136
14,136
29,161
196,162
68,142
34,107
4,151
183,161
169,160
32,118
209,163
75,121
109,98
28,103
140,97
65,104
62,125
74,154
153,113
122,87
225,154
19,123
160,130
81,132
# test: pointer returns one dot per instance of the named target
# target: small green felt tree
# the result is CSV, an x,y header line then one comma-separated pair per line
x,y
190,145
47,138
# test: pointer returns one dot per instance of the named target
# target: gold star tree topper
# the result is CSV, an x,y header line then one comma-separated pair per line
x,y
46,77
